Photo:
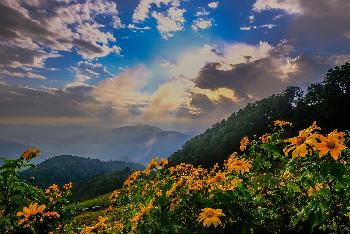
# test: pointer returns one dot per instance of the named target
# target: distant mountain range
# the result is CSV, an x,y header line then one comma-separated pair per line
x,y
132,143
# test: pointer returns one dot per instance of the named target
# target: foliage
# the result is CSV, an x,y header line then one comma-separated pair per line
x,y
326,102
67,168
99,185
277,184
27,209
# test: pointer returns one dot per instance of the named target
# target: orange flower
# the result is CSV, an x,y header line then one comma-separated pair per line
x,y
154,164
68,186
174,203
303,143
332,143
31,153
311,191
281,123
265,138
210,216
244,142
238,165
131,178
28,212
114,195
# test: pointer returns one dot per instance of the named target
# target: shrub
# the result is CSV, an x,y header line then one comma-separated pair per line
x,y
25,208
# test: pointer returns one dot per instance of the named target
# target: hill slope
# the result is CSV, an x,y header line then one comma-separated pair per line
x,y
100,184
67,168
327,103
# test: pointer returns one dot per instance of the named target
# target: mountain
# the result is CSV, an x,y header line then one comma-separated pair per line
x,y
67,168
326,102
132,143
100,184
12,150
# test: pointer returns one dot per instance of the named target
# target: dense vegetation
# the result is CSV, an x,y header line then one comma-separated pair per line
x,y
276,184
78,170
326,102
100,184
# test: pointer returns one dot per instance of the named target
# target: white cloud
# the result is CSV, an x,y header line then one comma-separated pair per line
x,y
143,8
213,5
85,71
277,17
254,27
91,32
201,23
167,64
169,22
17,74
117,23
251,18
134,27
189,64
201,11
340,59
54,27
289,6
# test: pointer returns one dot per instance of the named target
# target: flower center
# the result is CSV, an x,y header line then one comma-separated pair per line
x,y
330,144
210,214
300,140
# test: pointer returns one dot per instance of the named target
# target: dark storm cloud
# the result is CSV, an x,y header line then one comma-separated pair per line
x,y
263,77
16,101
14,24
323,24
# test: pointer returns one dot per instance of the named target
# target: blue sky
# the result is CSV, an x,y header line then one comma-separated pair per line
x,y
178,64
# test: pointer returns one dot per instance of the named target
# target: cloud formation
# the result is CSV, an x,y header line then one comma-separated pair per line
x,y
202,85
324,21
34,31
201,23
169,22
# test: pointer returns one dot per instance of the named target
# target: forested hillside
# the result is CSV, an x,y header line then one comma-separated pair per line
x,y
326,102
78,170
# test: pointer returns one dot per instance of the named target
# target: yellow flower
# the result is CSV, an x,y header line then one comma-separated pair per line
x,y
244,142
51,215
210,216
32,210
238,165
217,178
281,123
174,203
303,143
311,191
131,178
68,186
114,195
265,138
154,164
31,153
333,143
174,187
143,210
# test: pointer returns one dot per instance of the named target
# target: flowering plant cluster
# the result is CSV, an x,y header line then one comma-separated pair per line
x,y
274,184
25,208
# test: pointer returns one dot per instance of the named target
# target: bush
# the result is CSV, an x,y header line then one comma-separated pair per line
x,y
294,185
28,209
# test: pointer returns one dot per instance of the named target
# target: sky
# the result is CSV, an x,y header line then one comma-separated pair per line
x,y
177,64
